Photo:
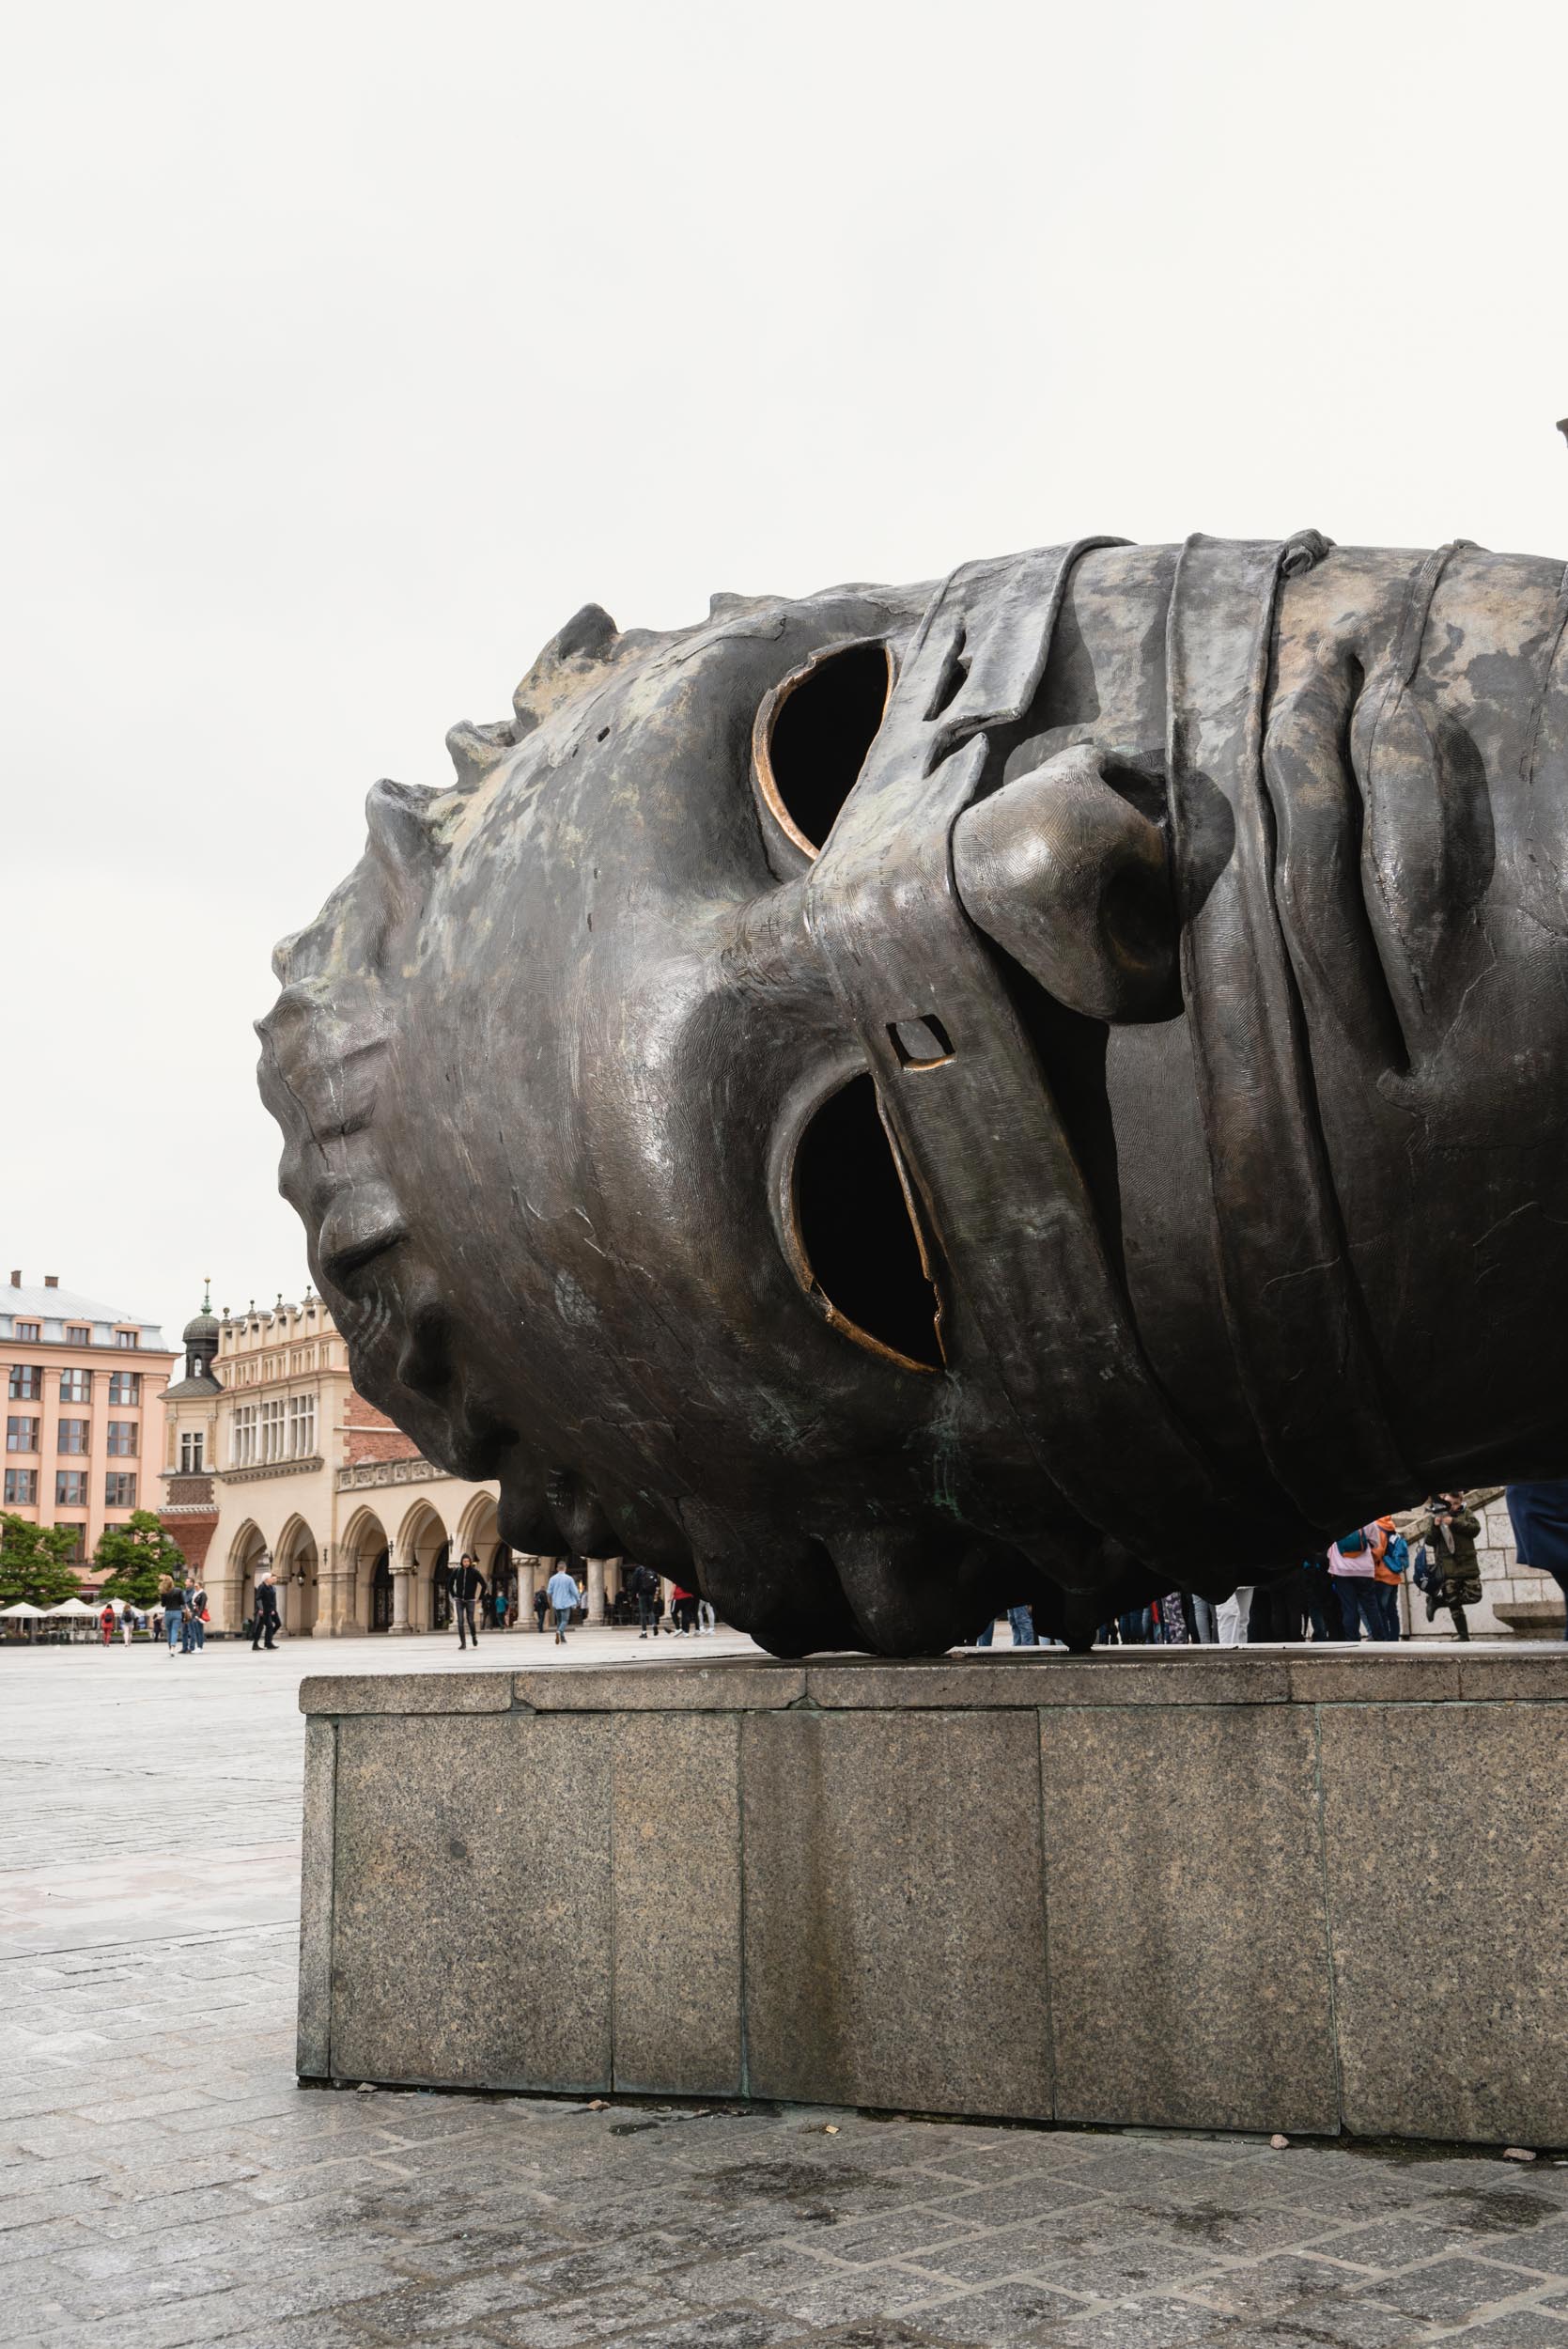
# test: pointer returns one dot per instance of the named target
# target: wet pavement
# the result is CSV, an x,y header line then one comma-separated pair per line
x,y
164,2181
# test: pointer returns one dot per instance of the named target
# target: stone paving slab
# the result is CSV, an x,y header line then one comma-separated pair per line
x,y
164,2182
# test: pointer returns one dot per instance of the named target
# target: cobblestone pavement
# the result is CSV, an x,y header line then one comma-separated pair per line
x,y
162,2180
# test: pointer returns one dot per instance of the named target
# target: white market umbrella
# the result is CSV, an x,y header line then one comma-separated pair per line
x,y
21,1606
71,1607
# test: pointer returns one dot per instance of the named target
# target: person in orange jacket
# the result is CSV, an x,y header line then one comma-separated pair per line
x,y
1388,1574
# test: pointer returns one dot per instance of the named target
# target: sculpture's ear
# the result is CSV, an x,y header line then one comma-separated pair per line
x,y
589,637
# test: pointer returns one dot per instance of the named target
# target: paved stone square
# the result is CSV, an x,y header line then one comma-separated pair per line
x,y
164,2181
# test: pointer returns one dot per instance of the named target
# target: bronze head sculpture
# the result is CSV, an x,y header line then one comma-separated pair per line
x,y
1046,1087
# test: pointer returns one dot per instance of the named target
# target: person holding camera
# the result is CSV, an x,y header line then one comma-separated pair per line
x,y
1450,1527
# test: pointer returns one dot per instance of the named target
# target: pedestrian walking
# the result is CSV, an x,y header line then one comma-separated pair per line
x,y
1539,1516
128,1621
1352,1569
542,1605
1021,1622
499,1601
564,1597
196,1618
1450,1526
266,1622
468,1589
645,1590
708,1621
106,1622
174,1617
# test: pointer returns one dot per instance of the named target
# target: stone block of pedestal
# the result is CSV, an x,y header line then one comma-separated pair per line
x,y
1446,1846
895,1944
1254,1890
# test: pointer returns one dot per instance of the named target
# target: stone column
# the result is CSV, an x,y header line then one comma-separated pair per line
x,y
596,1590
400,1581
333,1598
527,1570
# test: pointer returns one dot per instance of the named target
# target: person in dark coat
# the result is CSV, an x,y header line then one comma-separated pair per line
x,y
1539,1516
645,1590
468,1589
1450,1527
267,1620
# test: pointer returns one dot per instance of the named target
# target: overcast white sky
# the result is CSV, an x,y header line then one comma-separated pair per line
x,y
352,348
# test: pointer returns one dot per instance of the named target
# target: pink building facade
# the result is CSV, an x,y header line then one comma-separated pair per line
x,y
83,1411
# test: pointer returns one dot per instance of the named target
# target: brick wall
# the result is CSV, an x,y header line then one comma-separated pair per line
x,y
194,1534
369,1434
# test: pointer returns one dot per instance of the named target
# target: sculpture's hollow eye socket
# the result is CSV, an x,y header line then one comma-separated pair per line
x,y
811,735
861,1251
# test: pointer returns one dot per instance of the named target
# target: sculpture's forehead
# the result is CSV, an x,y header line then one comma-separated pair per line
x,y
641,670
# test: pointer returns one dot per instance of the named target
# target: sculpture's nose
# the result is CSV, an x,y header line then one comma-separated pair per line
x,y
1073,881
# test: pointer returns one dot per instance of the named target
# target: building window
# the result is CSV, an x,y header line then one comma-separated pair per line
x,y
120,1490
302,1427
71,1435
125,1386
122,1438
242,1452
274,1432
27,1332
125,1337
74,1556
22,1489
70,1488
193,1450
79,1337
76,1386
26,1383
21,1435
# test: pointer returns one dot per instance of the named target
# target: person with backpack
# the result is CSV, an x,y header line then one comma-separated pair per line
x,y
1450,1526
541,1605
1352,1577
1388,1574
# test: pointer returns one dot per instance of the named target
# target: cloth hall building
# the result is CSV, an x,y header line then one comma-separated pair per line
x,y
273,1457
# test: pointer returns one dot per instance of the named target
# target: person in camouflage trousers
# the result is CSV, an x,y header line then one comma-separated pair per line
x,y
1449,1527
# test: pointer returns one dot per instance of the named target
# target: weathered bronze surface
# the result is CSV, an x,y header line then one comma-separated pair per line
x,y
1046,1087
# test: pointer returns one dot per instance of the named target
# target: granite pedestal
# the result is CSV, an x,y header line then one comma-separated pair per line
x,y
1293,1889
